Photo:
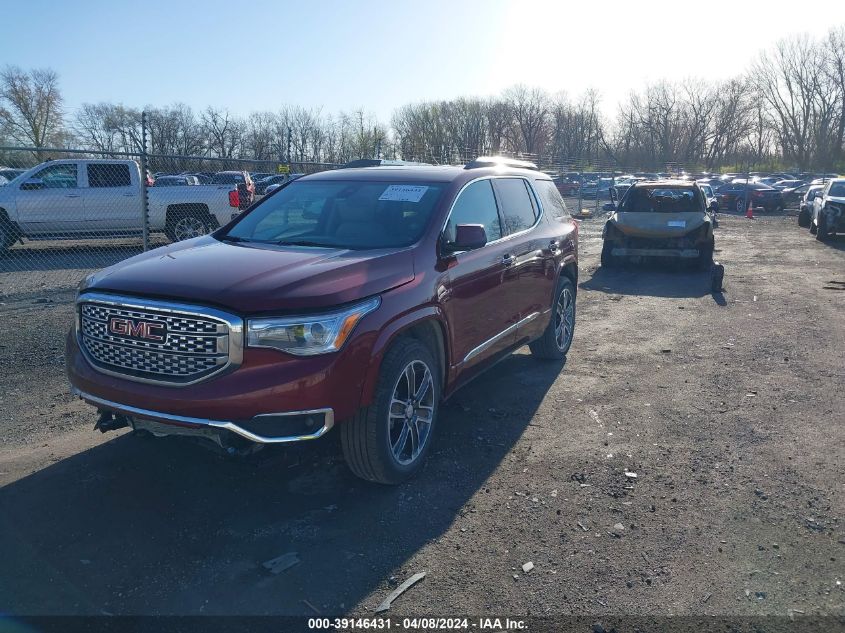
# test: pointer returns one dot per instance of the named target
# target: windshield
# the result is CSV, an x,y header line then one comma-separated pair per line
x,y
837,189
662,200
342,214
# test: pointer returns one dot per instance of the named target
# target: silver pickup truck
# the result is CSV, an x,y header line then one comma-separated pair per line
x,y
63,199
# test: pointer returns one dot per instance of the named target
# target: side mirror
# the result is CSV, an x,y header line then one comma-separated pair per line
x,y
714,206
609,206
32,184
468,237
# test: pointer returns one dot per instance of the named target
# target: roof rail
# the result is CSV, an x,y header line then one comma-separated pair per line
x,y
499,161
383,162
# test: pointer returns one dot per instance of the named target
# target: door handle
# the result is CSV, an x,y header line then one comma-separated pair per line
x,y
508,259
554,246
71,195
128,195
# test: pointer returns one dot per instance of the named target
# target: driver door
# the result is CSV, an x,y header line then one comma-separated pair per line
x,y
50,201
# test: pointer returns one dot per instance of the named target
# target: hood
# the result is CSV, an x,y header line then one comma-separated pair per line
x,y
644,224
253,278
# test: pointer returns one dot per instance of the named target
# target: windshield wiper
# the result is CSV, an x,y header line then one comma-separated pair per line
x,y
304,243
233,238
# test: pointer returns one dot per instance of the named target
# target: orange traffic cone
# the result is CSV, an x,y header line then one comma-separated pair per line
x,y
749,213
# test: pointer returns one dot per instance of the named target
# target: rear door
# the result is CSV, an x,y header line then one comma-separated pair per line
x,y
112,197
529,281
50,201
481,319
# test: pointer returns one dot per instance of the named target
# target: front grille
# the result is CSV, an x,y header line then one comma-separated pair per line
x,y
157,342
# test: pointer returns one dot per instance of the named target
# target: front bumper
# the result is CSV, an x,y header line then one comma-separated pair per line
x,y
269,398
321,419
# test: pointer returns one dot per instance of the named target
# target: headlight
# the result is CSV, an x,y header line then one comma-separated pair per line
x,y
309,335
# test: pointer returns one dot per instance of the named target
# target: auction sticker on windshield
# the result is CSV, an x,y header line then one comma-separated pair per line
x,y
403,193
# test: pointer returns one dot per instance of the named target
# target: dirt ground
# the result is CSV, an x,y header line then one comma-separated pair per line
x,y
728,408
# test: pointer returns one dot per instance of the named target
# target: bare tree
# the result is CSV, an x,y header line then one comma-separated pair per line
x,y
31,106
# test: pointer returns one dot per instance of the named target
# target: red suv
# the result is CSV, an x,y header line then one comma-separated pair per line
x,y
356,298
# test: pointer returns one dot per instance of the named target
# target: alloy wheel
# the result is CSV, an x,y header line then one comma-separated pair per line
x,y
189,227
411,412
564,319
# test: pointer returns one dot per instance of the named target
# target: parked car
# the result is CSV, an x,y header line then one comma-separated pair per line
x,y
246,188
69,198
793,195
355,298
567,186
667,220
10,174
828,210
597,189
176,181
711,202
805,209
260,175
3,181
733,196
261,185
271,188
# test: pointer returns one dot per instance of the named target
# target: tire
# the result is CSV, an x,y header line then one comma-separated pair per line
x,y
7,236
187,225
804,218
370,440
740,205
608,260
813,229
717,277
821,229
557,337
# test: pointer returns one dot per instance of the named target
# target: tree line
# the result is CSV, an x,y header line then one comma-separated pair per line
x,y
787,109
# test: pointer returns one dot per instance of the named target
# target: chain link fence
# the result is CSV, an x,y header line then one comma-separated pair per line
x,y
66,212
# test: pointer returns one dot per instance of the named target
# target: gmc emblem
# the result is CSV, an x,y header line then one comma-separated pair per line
x,y
150,331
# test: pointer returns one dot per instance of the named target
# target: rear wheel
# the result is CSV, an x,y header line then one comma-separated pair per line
x,y
388,441
7,236
188,225
557,338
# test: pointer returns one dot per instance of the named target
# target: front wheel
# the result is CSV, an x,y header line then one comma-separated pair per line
x,y
705,256
557,338
608,259
387,442
740,205
821,229
7,236
804,218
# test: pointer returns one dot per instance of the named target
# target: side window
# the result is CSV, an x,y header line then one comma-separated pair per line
x,y
518,212
475,205
552,202
58,176
108,175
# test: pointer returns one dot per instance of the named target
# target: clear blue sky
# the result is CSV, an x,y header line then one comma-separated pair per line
x,y
259,54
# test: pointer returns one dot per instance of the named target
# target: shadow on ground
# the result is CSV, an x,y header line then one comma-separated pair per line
x,y
654,279
140,526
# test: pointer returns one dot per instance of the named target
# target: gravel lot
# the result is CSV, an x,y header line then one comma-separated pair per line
x,y
728,407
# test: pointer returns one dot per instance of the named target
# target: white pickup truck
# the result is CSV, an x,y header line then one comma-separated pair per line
x,y
98,198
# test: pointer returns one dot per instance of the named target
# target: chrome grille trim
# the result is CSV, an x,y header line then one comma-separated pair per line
x,y
201,342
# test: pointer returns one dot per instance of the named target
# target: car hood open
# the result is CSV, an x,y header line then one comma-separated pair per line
x,y
645,224
256,278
